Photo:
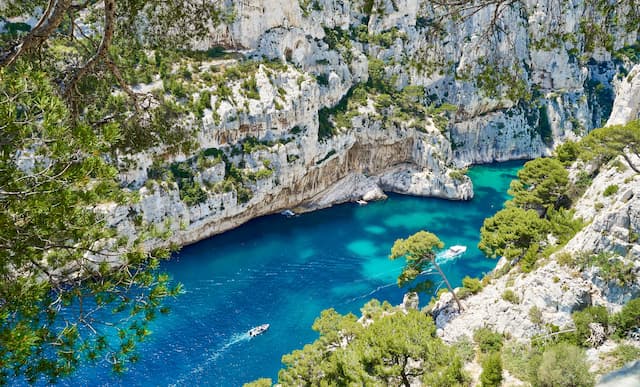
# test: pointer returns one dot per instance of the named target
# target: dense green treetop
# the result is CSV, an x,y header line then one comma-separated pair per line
x,y
419,252
541,183
604,144
347,353
511,231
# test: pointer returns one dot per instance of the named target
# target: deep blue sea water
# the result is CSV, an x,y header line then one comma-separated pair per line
x,y
284,271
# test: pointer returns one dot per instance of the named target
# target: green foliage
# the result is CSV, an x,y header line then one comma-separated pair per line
x,y
373,355
340,116
458,174
491,375
204,102
535,315
510,296
419,252
263,382
628,318
564,365
387,38
610,190
604,144
326,157
48,227
377,76
469,286
498,81
488,341
511,231
250,87
465,349
191,192
611,268
589,315
522,360
563,225
542,183
623,354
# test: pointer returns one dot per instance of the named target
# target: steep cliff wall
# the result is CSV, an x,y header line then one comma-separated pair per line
x,y
341,99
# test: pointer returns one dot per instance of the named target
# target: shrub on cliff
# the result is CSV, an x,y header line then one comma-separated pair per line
x,y
491,375
590,315
628,318
541,183
564,365
488,340
511,231
469,286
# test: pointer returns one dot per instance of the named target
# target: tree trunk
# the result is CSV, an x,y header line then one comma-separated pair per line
x,y
403,373
103,49
446,281
50,20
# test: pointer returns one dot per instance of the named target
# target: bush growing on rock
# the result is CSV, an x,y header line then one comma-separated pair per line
x,y
564,365
624,354
491,375
473,284
488,340
263,382
628,318
511,296
541,183
347,353
511,231
610,190
535,315
522,360
584,318
469,286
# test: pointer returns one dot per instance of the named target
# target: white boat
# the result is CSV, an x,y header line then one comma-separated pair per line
x,y
288,213
362,202
260,329
454,251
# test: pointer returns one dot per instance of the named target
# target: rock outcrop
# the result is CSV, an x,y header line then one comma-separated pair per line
x,y
626,106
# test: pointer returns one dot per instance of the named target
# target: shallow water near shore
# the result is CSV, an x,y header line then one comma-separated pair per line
x,y
284,271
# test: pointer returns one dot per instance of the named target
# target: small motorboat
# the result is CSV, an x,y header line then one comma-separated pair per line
x,y
362,202
260,329
454,251
288,213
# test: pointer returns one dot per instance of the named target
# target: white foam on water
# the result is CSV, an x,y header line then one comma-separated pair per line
x,y
200,368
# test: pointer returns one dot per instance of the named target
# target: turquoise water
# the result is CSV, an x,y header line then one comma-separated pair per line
x,y
284,272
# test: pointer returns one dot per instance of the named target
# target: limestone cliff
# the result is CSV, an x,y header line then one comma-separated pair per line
x,y
502,82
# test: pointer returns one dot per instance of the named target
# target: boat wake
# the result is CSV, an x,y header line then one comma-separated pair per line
x,y
377,289
202,367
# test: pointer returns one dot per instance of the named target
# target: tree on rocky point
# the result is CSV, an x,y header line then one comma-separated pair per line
x,y
419,252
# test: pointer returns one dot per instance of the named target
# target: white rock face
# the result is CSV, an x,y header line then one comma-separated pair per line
x,y
615,219
626,106
551,289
